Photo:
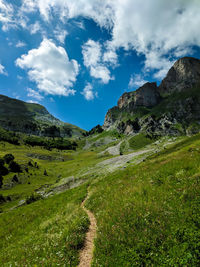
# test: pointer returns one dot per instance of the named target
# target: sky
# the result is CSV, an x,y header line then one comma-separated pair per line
x,y
77,57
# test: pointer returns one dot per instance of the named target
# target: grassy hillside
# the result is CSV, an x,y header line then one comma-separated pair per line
x,y
49,232
19,116
147,209
148,215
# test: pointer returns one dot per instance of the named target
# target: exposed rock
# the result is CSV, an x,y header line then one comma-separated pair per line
x,y
146,96
184,74
144,110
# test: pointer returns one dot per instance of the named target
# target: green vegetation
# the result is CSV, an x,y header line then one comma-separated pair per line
x,y
9,137
48,232
148,215
48,143
169,103
139,141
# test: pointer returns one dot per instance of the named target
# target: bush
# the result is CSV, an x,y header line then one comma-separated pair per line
x,y
3,169
14,166
2,199
8,158
15,179
1,181
34,197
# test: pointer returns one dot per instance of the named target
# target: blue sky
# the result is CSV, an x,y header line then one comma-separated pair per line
x,y
78,57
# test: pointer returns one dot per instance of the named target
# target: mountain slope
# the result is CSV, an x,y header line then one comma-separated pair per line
x,y
19,116
172,108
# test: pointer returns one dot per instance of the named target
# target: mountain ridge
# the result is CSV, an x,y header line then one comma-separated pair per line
x,y
170,108
31,118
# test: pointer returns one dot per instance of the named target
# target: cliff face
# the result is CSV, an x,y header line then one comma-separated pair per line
x,y
172,108
19,116
147,96
183,75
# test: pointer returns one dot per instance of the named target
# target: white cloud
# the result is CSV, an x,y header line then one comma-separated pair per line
x,y
91,53
34,94
6,11
98,10
31,101
94,60
60,35
149,27
34,28
51,69
101,72
2,70
136,81
88,92
20,44
110,56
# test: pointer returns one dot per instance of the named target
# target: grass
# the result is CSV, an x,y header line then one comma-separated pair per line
x,y
58,164
148,215
48,232
139,141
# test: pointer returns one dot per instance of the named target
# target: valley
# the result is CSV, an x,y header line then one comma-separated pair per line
x,y
122,194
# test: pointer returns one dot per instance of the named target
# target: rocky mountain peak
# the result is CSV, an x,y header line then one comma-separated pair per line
x,y
184,74
152,110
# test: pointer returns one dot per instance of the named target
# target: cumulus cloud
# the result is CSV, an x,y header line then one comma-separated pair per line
x,y
94,60
49,66
34,94
165,29
136,81
2,70
88,92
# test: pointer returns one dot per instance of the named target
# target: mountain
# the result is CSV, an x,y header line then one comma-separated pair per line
x,y
28,118
172,108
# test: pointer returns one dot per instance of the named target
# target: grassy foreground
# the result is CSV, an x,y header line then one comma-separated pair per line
x,y
48,232
149,215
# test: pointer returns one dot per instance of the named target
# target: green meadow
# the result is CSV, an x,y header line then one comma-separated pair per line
x,y
147,214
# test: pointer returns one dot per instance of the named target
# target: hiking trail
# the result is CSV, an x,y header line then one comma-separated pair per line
x,y
87,251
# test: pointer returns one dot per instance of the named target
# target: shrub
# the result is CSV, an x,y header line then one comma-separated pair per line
x,y
8,158
2,199
1,181
15,179
32,198
14,166
3,169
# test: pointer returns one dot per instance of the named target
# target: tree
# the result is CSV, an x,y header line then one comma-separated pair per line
x,y
1,181
14,166
8,158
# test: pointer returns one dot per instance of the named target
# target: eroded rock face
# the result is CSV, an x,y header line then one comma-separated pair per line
x,y
184,74
146,96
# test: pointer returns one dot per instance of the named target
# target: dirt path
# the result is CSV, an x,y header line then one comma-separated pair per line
x,y
87,251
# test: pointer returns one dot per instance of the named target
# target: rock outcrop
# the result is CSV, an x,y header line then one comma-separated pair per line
x,y
147,96
172,108
184,74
